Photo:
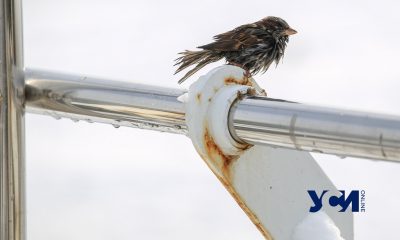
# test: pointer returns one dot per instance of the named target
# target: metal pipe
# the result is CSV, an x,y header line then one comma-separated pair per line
x,y
259,120
255,120
12,138
96,100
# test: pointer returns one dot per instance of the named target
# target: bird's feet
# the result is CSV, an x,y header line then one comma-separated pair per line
x,y
263,93
247,74
254,84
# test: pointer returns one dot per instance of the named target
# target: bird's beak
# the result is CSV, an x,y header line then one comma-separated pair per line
x,y
290,31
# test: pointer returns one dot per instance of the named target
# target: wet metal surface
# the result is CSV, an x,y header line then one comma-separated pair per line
x,y
12,141
253,120
259,120
95,100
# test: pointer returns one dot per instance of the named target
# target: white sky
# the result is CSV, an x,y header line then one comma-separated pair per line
x,y
91,181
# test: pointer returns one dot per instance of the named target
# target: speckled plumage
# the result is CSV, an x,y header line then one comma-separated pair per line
x,y
251,46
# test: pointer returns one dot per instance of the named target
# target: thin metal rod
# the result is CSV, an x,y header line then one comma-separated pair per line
x,y
96,100
259,120
256,120
12,135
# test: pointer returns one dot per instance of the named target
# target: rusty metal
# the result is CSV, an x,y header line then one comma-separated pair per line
x,y
263,180
12,141
207,109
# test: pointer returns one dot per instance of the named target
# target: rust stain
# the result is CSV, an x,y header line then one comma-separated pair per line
x,y
222,166
239,95
198,97
244,81
220,159
214,154
253,217
251,91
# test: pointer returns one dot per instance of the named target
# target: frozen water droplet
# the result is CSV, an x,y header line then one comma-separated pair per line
x,y
116,125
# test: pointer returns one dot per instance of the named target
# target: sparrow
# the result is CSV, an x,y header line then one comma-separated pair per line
x,y
252,47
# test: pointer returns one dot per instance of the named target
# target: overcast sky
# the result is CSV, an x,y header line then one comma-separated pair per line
x,y
92,181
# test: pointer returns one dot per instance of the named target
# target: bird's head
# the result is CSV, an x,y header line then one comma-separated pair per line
x,y
278,27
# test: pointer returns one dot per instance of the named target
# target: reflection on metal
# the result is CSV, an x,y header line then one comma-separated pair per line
x,y
258,120
251,120
254,120
12,165
94,100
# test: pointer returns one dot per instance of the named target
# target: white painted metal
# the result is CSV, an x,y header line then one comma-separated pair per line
x,y
207,110
269,184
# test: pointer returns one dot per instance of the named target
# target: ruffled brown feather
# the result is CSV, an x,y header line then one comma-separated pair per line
x,y
251,46
188,58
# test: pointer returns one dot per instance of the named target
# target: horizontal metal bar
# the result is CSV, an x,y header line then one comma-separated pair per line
x,y
255,120
96,100
259,120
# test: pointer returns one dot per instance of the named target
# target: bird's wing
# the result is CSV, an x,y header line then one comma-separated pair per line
x,y
236,39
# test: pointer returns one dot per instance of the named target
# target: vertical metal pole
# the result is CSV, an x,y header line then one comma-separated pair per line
x,y
12,141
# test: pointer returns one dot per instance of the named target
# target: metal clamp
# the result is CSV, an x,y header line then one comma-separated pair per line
x,y
208,104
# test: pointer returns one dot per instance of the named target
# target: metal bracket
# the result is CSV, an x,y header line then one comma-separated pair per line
x,y
269,184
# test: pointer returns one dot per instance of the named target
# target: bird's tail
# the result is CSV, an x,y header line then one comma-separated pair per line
x,y
188,58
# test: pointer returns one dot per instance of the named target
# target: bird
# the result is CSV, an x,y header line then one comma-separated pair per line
x,y
252,47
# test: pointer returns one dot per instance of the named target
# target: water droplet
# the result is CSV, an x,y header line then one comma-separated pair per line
x,y
89,120
56,117
341,156
317,151
116,125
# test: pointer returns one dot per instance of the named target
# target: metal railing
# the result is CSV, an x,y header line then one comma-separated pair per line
x,y
255,120
12,141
